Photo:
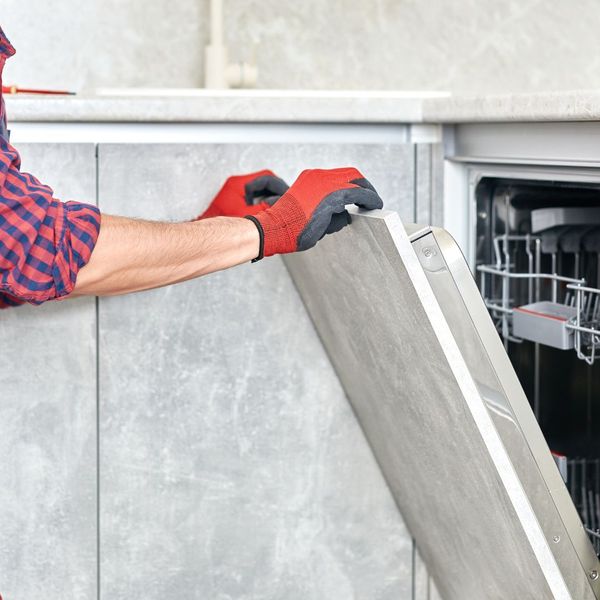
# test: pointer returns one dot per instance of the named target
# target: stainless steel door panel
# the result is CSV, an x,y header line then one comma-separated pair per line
x,y
424,403
496,380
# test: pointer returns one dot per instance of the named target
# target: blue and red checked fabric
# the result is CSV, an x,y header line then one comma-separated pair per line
x,y
43,242
6,51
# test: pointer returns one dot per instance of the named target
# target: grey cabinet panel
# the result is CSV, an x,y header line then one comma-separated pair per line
x,y
48,422
437,185
429,168
176,181
231,465
423,169
69,169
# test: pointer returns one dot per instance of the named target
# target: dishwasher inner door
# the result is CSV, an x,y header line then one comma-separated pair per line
x,y
439,402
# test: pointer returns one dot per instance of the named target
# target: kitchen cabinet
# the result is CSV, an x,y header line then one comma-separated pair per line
x,y
230,462
199,447
48,421
226,445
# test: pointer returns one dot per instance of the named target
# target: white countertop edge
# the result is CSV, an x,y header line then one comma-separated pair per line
x,y
583,105
274,106
219,108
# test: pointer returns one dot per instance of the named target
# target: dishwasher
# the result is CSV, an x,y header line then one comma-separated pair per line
x,y
537,256
442,378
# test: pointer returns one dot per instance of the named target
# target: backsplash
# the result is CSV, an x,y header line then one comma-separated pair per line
x,y
476,46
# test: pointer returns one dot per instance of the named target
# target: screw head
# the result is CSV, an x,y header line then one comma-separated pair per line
x,y
593,574
556,539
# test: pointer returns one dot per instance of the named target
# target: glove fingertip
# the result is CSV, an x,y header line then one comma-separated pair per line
x,y
364,183
267,188
338,222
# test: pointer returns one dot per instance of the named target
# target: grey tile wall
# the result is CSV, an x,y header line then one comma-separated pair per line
x,y
383,44
100,43
48,422
231,465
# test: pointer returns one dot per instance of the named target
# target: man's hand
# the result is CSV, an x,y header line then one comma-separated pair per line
x,y
246,195
313,206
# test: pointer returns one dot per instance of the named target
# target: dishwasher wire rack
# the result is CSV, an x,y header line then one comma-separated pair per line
x,y
583,482
574,291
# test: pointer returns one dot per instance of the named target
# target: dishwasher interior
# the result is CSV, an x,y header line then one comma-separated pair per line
x,y
538,269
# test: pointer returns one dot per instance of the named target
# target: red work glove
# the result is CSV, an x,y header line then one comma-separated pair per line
x,y
313,206
243,195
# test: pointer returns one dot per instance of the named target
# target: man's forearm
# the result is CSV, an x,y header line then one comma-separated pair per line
x,y
132,255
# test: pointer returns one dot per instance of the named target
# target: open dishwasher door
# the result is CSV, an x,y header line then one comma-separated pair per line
x,y
439,402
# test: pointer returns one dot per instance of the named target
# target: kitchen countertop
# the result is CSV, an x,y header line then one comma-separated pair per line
x,y
266,106
244,106
546,106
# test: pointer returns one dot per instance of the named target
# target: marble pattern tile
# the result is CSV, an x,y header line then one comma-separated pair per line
x,y
473,46
84,45
231,463
48,422
470,46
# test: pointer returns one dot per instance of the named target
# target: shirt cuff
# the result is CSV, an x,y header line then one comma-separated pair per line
x,y
77,226
63,246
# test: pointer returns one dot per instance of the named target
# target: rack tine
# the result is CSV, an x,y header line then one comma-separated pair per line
x,y
530,266
554,282
596,307
584,500
597,490
572,474
590,306
586,306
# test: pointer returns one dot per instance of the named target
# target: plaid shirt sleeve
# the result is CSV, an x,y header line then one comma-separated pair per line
x,y
43,242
